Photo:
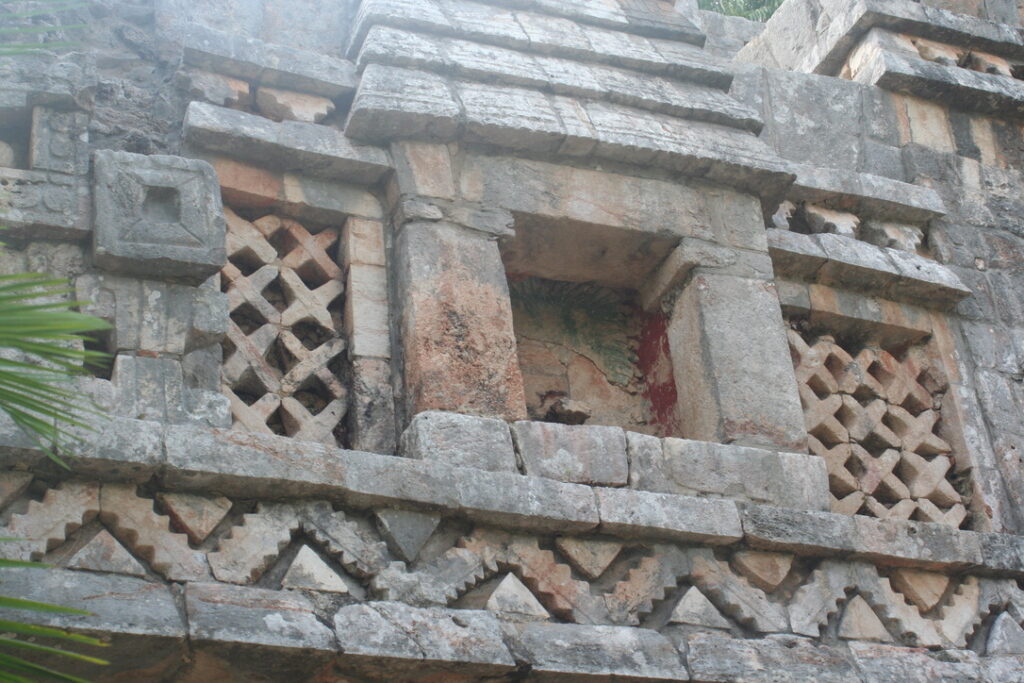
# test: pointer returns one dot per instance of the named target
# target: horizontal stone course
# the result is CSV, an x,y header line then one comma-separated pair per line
x,y
293,146
850,263
394,103
199,459
266,64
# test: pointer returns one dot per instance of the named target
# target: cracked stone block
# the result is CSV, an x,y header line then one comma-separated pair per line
x,y
627,513
392,638
406,530
1006,637
460,440
891,664
154,389
580,454
559,652
157,216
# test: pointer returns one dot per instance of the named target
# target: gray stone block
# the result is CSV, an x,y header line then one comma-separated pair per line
x,y
460,440
396,639
582,454
629,513
157,216
137,618
794,480
920,544
892,664
866,195
150,315
798,531
559,652
795,255
716,656
42,205
403,103
311,148
266,63
154,389
59,141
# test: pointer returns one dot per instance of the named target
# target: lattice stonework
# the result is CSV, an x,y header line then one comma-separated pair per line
x,y
284,350
875,419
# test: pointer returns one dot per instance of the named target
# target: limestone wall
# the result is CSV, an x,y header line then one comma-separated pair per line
x,y
531,339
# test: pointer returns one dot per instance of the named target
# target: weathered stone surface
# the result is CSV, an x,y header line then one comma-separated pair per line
x,y
764,570
924,589
866,195
401,638
456,323
713,656
154,389
45,205
590,557
266,63
557,651
157,216
859,622
309,571
196,515
696,610
573,453
285,105
460,440
224,91
741,385
406,530
12,485
885,663
796,531
104,554
625,512
59,141
750,474
1006,637
138,619
289,145
511,600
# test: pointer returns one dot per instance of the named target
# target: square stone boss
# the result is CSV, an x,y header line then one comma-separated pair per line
x,y
158,217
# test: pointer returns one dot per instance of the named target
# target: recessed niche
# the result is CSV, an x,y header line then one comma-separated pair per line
x,y
589,355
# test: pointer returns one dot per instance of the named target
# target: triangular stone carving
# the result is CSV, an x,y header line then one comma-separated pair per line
x,y
589,557
1006,636
309,571
196,515
512,598
924,589
861,623
406,530
104,554
697,610
764,570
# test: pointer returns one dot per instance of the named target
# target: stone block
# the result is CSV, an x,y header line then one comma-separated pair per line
x,y
892,664
317,150
581,454
795,255
119,448
914,543
154,316
268,64
755,475
460,440
137,618
371,425
285,105
45,205
716,656
742,386
424,169
506,499
362,242
455,319
367,319
629,514
261,633
59,141
798,531
223,91
406,530
393,103
922,279
157,216
559,652
154,389
393,638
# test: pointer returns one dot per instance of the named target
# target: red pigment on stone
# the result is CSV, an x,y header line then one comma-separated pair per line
x,y
655,364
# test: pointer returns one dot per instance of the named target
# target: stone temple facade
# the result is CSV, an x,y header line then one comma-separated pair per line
x,y
500,340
